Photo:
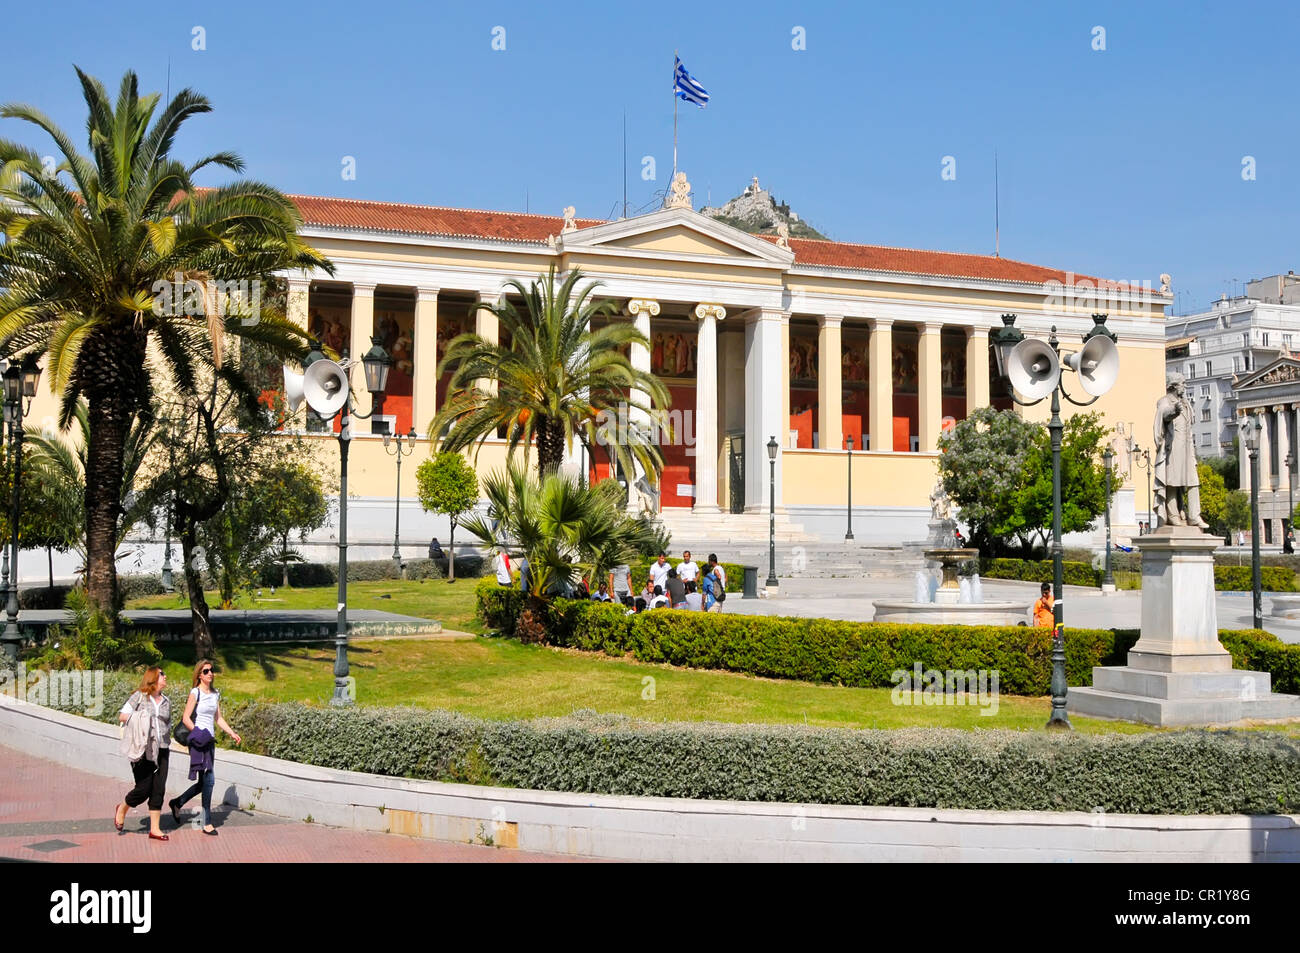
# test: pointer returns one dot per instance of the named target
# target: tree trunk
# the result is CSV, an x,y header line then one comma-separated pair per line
x,y
284,550
49,555
550,446
109,423
204,644
451,552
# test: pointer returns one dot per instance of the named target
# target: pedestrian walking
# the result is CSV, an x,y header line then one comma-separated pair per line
x,y
202,717
147,716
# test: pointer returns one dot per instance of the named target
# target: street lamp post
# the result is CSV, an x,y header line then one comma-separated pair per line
x,y
1038,369
1142,458
376,364
1252,428
168,578
771,521
19,388
397,451
1108,580
849,508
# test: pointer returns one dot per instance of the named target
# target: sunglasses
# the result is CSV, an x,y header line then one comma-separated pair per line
x,y
205,671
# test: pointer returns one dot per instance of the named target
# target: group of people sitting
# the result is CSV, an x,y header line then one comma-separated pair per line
x,y
688,585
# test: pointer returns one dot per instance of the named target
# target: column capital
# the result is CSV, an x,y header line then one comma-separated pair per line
x,y
881,324
427,294
931,327
710,310
830,320
1277,408
362,289
977,332
298,284
643,306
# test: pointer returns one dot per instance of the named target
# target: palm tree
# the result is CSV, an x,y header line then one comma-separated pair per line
x,y
566,529
91,262
61,465
556,379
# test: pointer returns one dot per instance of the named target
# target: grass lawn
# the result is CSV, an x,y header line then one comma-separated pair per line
x,y
450,603
499,678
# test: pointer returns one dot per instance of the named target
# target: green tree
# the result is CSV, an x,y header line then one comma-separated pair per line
x,y
1228,466
448,485
1236,510
1214,499
290,499
41,521
89,271
553,382
998,468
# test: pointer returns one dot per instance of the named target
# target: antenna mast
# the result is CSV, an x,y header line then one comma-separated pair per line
x,y
997,211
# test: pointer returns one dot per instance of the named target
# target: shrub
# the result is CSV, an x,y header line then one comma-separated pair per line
x,y
43,597
308,575
1179,772
1259,651
1238,579
1040,570
86,640
142,584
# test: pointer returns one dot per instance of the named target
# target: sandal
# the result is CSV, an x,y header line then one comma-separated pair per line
x,y
153,836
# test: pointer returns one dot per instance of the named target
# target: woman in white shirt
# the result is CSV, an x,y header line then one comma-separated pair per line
x,y
202,712
150,771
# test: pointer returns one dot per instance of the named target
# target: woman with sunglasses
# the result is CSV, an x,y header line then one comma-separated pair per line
x,y
202,716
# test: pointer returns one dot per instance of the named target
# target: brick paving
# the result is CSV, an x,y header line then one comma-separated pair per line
x,y
53,813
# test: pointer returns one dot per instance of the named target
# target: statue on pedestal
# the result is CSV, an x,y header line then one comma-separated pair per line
x,y
1177,486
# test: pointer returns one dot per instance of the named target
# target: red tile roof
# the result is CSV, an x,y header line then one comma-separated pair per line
x,y
521,227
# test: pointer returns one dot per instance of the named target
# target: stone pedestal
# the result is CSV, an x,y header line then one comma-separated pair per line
x,y
1179,673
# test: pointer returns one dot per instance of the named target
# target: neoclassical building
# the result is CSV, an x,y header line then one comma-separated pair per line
x,y
1271,395
811,342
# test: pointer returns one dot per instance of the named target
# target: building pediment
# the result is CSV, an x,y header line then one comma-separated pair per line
x,y
675,233
1284,370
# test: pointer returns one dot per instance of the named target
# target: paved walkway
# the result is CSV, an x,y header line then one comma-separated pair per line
x,y
1085,608
52,813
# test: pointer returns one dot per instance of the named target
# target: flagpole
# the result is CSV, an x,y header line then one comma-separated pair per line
x,y
674,115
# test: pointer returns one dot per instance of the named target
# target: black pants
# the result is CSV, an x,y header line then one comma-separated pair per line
x,y
150,782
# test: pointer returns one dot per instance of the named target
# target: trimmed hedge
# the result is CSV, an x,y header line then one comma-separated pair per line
x,y
307,575
857,654
1237,579
1226,578
735,572
1185,772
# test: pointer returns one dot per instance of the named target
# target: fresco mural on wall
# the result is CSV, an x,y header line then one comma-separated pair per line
x,y
952,364
803,360
331,325
905,365
673,354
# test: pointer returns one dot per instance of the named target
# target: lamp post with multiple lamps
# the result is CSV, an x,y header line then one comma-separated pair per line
x,y
1108,580
396,449
849,508
1039,368
20,380
323,396
1250,437
771,519
1142,458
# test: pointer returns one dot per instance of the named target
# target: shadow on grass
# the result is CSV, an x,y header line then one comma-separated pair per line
x,y
270,658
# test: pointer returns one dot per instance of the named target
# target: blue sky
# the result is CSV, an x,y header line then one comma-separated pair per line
x,y
1124,162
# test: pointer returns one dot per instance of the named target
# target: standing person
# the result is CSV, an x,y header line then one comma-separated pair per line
x,y
675,590
524,578
715,567
620,582
659,570
150,769
708,591
694,601
502,566
688,569
202,716
1044,617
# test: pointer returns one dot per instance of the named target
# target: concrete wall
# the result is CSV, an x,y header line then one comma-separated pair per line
x,y
668,829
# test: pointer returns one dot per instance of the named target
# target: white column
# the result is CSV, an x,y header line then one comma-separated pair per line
x,y
1283,445
488,328
363,329
424,398
299,296
977,369
830,390
706,409
641,310
1243,456
880,384
763,407
929,404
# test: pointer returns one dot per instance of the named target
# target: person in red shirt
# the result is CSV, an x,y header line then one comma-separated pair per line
x,y
1044,617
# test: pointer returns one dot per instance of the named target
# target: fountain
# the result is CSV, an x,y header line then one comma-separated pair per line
x,y
950,598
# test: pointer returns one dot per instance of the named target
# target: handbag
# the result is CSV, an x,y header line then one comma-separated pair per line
x,y
180,732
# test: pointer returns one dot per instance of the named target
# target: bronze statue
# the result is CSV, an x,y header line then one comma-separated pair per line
x,y
1177,486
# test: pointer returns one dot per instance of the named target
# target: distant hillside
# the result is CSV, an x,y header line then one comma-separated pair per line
x,y
757,211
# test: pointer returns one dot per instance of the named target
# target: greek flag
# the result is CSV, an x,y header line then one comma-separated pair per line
x,y
687,88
